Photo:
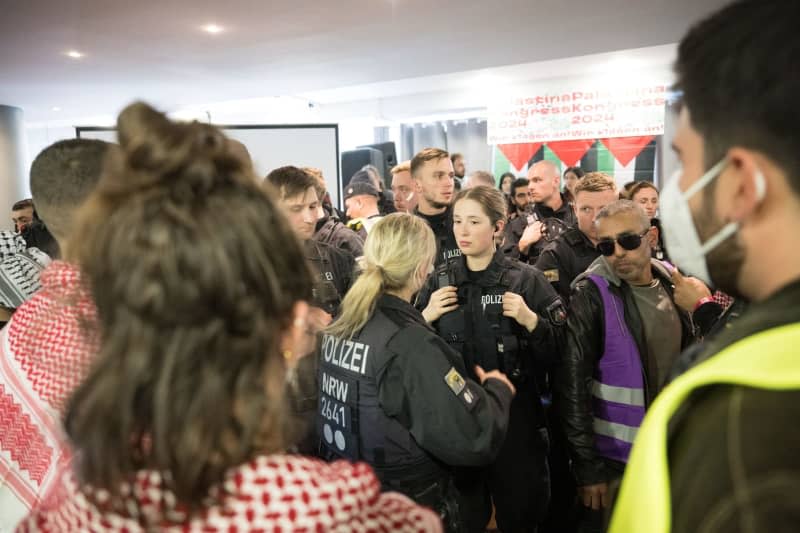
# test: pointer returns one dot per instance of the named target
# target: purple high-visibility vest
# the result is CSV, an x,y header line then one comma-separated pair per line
x,y
618,394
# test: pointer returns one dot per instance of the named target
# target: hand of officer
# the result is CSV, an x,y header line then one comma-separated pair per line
x,y
514,306
494,374
442,301
594,496
318,319
531,235
688,291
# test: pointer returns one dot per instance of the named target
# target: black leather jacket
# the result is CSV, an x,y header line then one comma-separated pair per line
x,y
574,373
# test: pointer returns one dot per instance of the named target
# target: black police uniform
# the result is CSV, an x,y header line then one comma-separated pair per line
x,y
331,230
399,398
561,262
447,248
333,274
566,258
557,221
518,480
332,271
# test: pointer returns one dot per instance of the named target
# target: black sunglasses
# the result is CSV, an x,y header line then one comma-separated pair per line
x,y
628,241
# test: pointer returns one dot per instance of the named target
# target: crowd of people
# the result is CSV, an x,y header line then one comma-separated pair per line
x,y
192,347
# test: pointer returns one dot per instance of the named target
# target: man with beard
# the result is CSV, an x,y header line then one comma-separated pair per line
x,y
433,176
730,218
624,333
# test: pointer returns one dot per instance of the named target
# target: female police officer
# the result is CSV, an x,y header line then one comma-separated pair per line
x,y
500,314
392,393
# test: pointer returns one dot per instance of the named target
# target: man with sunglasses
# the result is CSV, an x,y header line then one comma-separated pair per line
x,y
624,333
574,250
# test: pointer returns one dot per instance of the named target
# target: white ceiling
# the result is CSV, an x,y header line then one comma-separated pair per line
x,y
156,50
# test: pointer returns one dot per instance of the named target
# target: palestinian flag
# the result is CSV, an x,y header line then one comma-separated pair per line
x,y
624,158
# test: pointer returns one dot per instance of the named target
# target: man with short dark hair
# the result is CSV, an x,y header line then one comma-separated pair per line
x,y
717,451
298,198
459,167
43,348
520,197
22,214
624,333
433,176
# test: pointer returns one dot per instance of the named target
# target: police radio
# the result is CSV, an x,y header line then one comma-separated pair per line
x,y
445,275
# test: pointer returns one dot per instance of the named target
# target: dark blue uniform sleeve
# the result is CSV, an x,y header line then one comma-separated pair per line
x,y
425,386
546,341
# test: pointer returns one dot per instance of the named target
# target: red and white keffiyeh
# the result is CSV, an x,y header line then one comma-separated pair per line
x,y
43,358
275,494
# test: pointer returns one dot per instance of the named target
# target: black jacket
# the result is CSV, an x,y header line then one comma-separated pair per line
x,y
442,225
333,274
565,215
477,328
330,230
584,347
565,259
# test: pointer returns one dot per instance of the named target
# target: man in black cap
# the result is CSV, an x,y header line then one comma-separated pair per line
x,y
361,201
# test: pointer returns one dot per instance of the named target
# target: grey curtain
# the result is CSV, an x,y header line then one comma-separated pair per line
x,y
415,137
467,137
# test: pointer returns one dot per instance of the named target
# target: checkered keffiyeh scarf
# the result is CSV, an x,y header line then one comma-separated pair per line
x,y
43,357
279,493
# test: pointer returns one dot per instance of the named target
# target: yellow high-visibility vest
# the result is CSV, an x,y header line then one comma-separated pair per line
x,y
767,360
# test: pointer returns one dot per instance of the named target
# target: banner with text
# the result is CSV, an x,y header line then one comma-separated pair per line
x,y
576,110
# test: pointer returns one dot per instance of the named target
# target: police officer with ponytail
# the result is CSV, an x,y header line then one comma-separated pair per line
x,y
394,394
500,314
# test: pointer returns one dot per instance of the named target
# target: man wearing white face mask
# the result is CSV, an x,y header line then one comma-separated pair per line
x,y
717,450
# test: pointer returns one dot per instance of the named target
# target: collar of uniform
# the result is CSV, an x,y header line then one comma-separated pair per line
x,y
544,211
445,218
390,301
491,276
575,237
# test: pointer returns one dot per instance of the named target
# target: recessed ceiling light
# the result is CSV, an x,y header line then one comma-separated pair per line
x,y
74,54
213,29
55,108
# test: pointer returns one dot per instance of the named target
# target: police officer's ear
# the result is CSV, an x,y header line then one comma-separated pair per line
x,y
499,226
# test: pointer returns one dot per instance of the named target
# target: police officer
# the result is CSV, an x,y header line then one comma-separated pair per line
x,y
433,175
300,203
573,251
550,214
329,228
396,396
361,201
500,314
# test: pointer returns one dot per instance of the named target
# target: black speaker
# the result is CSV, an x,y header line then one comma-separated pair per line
x,y
389,155
354,160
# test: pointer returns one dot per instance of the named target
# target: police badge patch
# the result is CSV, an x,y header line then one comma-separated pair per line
x,y
455,381
551,275
557,312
